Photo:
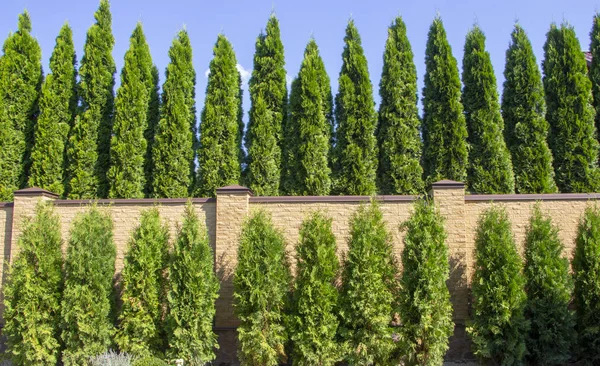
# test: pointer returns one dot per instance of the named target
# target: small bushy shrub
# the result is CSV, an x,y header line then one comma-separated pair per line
x,y
367,295
586,269
549,286
261,289
87,319
498,327
141,320
111,358
33,292
313,319
149,361
425,308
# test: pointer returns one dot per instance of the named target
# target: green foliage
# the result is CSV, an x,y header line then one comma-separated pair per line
x,y
523,109
355,167
490,167
150,131
549,286
218,153
149,361
586,268
425,307
126,176
313,319
261,289
87,319
89,143
368,291
498,328
57,110
307,132
268,113
20,83
174,141
594,69
141,320
570,112
192,294
33,292
444,130
398,137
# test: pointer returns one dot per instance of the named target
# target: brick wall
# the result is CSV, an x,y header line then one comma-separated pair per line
x,y
225,215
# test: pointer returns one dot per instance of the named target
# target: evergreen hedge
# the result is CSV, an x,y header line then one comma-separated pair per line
x,y
88,302
33,292
262,282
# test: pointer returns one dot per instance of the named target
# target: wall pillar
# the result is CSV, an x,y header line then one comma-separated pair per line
x,y
449,197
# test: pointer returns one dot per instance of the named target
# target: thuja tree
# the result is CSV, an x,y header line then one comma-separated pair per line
x,y
141,319
193,290
218,153
594,70
523,110
444,130
268,112
173,150
307,132
315,298
490,168
89,143
355,166
549,286
57,110
586,268
261,286
33,292
570,112
151,127
126,176
87,317
425,306
398,135
20,84
367,294
498,327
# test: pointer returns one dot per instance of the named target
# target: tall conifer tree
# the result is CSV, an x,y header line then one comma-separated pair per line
x,y
20,83
268,112
570,112
523,109
150,131
355,167
445,149
307,132
89,143
595,67
398,137
57,110
490,167
218,154
173,150
126,174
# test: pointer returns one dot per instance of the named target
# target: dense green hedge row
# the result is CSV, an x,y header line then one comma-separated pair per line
x,y
365,311
72,135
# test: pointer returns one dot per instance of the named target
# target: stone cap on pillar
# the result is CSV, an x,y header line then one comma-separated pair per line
x,y
35,192
234,189
448,184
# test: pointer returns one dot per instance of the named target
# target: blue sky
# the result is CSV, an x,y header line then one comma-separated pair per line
x,y
326,20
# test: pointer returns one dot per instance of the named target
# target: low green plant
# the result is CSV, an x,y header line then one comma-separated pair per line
x,y
148,361
368,293
87,318
498,327
141,330
33,292
193,290
313,318
549,286
425,308
261,289
586,269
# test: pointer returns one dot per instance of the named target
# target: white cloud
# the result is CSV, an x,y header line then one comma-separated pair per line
x,y
245,74
206,73
288,79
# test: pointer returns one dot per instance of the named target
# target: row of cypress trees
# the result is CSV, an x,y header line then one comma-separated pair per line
x,y
523,312
71,135
65,314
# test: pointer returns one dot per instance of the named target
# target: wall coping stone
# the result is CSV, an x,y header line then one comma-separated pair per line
x,y
332,199
34,192
448,184
6,204
132,201
234,189
533,197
